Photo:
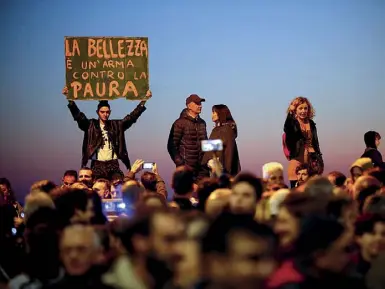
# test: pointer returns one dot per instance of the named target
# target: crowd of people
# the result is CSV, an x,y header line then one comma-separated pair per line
x,y
220,227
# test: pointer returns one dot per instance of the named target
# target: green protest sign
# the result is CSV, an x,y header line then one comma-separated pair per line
x,y
106,67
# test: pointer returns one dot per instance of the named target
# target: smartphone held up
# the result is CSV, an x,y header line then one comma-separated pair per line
x,y
212,145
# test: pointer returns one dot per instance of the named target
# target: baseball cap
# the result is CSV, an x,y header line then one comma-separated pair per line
x,y
194,98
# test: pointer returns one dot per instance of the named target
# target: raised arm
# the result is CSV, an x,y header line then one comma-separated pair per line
x,y
173,144
79,117
132,118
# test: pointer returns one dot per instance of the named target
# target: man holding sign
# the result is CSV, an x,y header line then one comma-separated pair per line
x,y
104,142
106,68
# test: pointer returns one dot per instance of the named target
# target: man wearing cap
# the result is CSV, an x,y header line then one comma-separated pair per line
x,y
104,142
187,132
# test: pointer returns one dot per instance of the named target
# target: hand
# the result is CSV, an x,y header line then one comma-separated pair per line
x,y
137,166
155,169
292,109
65,90
148,94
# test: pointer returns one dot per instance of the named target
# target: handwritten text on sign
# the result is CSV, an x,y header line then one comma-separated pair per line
x,y
106,67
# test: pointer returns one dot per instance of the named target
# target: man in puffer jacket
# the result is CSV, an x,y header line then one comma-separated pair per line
x,y
186,134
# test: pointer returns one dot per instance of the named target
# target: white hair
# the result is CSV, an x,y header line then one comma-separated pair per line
x,y
268,168
276,200
35,201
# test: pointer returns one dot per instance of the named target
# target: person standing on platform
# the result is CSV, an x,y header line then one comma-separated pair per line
x,y
186,134
301,138
104,142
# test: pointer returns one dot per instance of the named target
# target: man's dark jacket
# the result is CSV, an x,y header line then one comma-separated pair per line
x,y
93,134
184,141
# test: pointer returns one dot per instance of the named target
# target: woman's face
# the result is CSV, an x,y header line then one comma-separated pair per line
x,y
214,116
302,111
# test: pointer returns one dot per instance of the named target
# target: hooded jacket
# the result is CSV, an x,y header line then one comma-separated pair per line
x,y
184,141
229,156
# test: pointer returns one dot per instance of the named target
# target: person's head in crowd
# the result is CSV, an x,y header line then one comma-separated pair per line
x,y
363,183
116,177
102,188
323,245
292,211
149,181
152,201
188,268
217,203
167,229
372,139
344,210
375,205
246,190
183,182
80,248
225,181
194,104
35,201
303,173
104,258
75,206
337,179
135,237
273,173
6,190
205,187
358,168
42,259
98,217
116,228
86,176
236,249
320,188
79,186
363,197
132,192
370,235
43,216
377,173
69,177
276,200
44,186
116,189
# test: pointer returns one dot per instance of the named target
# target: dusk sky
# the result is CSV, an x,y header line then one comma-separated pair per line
x,y
253,55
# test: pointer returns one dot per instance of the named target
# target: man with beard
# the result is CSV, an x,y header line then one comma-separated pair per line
x,y
104,141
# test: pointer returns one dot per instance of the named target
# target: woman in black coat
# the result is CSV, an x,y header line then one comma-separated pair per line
x,y
301,138
225,129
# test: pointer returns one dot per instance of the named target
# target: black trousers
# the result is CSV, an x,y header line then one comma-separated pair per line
x,y
106,170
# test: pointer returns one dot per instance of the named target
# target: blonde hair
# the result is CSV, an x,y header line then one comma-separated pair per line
x,y
35,201
297,102
268,168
